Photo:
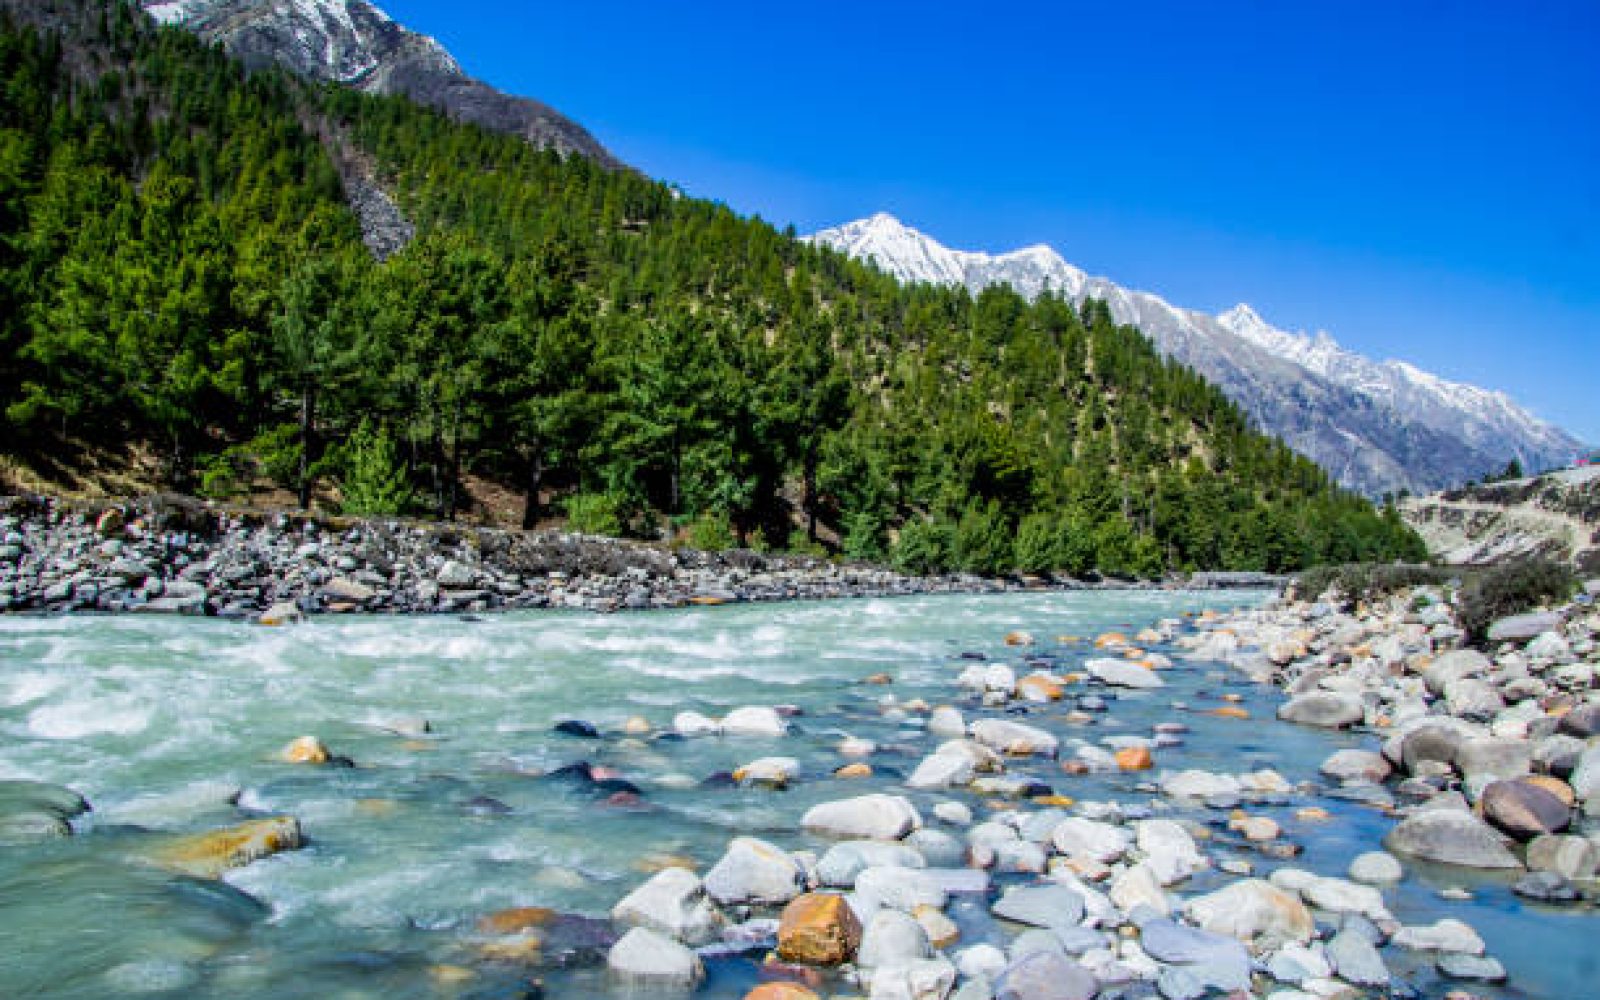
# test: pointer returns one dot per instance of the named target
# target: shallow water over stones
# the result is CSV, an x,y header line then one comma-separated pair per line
x,y
173,727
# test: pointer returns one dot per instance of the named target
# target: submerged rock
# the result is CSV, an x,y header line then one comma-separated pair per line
x,y
1329,709
32,811
754,871
1452,837
648,959
674,901
208,855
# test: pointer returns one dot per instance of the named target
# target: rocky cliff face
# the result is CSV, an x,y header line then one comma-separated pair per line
x,y
1376,426
355,43
1555,515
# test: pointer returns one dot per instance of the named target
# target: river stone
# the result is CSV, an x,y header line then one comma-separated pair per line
x,y
1169,850
1356,960
1137,886
1523,809
818,929
1453,666
1251,909
1582,722
1546,887
939,771
1047,906
1330,709
981,960
1481,968
1517,628
648,959
694,724
753,720
1215,960
946,722
1123,673
1434,740
773,772
930,979
1336,895
1493,757
1585,780
1446,935
844,861
865,817
1014,738
754,871
1045,975
1356,765
208,855
1195,784
892,938
1473,698
938,848
1573,857
902,889
1376,868
32,811
674,902
1452,837
1077,837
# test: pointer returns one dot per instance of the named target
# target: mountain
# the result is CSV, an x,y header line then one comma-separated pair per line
x,y
355,43
1377,426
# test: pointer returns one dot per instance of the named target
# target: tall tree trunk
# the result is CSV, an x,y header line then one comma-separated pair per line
x,y
809,500
308,412
454,485
531,507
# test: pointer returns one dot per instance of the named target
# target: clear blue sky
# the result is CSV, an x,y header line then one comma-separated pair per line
x,y
1421,179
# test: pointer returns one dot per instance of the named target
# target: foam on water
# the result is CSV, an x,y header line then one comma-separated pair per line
x,y
81,717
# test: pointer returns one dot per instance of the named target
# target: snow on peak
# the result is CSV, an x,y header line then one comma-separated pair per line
x,y
1275,374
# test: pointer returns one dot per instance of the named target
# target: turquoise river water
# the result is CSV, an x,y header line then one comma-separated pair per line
x,y
158,721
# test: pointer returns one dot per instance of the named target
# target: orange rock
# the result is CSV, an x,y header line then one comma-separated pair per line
x,y
857,770
1134,759
708,602
879,679
941,930
208,855
818,929
1036,688
1067,640
305,750
1133,652
1059,801
1074,767
1555,786
515,921
1229,712
781,991
524,950
1312,814
1110,639
1232,698
1018,639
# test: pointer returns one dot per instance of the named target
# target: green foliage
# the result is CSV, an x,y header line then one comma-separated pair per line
x,y
710,532
374,482
1511,589
178,268
1361,582
982,542
924,547
595,514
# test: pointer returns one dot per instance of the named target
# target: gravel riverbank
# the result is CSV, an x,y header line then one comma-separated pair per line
x,y
176,555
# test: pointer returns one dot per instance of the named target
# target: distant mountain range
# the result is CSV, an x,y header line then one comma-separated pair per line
x,y
355,43
1377,426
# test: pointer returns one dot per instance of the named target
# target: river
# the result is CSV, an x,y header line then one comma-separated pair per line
x,y
159,721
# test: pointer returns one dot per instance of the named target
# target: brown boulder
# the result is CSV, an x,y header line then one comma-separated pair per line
x,y
1134,759
208,855
781,991
1523,809
818,929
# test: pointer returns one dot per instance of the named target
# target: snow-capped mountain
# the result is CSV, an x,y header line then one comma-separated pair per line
x,y
355,43
1377,426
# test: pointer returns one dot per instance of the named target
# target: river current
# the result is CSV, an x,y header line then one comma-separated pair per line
x,y
170,726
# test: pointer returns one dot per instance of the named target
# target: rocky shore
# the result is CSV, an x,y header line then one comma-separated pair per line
x,y
180,556
1486,761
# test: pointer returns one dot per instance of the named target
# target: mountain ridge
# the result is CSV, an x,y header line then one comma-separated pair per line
x,y
1378,426
355,43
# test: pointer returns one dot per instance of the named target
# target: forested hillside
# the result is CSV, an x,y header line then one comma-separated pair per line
x,y
178,268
